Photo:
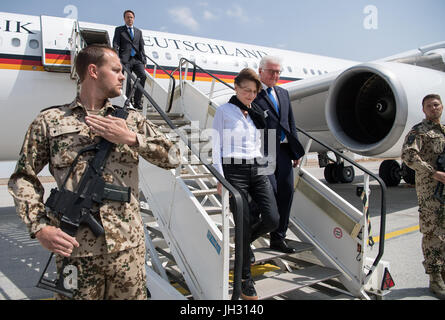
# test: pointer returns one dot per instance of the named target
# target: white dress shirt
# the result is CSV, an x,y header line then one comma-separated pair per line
x,y
234,136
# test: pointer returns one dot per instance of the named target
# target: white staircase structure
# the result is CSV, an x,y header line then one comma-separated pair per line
x,y
192,241
193,227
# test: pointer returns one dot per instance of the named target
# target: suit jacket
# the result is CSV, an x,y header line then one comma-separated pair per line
x,y
285,121
122,44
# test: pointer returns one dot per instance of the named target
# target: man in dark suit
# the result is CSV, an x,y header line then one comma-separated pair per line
x,y
275,100
133,57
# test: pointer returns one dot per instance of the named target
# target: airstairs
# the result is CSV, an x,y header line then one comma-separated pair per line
x,y
193,242
192,231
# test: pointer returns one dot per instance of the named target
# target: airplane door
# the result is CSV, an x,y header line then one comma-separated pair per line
x,y
56,46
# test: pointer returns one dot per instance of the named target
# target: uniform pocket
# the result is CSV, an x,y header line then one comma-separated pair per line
x,y
64,144
438,145
437,142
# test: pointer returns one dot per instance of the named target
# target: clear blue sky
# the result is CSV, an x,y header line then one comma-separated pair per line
x,y
343,28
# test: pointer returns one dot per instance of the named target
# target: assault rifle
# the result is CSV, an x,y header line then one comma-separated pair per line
x,y
76,208
438,194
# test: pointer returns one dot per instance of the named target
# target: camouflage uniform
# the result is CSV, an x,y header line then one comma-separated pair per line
x,y
55,137
421,148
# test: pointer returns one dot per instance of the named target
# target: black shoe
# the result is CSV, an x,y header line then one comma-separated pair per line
x,y
251,255
248,291
281,246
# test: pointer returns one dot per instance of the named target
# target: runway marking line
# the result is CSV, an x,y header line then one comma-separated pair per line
x,y
398,233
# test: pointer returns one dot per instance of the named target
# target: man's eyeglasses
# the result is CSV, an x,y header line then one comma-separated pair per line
x,y
273,71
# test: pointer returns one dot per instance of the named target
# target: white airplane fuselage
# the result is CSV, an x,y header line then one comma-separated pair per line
x,y
26,87
31,45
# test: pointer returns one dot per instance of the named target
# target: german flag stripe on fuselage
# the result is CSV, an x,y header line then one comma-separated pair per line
x,y
20,62
53,56
63,57
226,76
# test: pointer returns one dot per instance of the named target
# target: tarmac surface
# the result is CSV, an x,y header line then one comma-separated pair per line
x,y
23,259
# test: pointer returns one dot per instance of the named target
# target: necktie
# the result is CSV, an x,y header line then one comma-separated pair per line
x,y
275,103
130,30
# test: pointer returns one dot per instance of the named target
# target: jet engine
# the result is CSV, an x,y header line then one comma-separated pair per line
x,y
371,107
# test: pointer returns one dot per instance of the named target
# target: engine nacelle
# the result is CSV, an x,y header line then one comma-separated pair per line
x,y
371,107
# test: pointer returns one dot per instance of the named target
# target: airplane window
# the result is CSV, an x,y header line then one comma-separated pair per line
x,y
168,55
15,42
312,71
319,72
325,72
33,44
245,65
204,60
155,55
289,68
305,70
255,65
235,63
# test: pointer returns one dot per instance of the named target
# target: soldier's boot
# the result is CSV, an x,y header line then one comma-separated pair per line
x,y
437,286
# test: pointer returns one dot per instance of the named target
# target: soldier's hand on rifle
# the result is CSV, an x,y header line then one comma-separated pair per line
x,y
111,128
57,241
439,176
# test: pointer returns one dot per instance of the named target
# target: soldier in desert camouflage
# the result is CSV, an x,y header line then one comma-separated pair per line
x,y
423,144
110,266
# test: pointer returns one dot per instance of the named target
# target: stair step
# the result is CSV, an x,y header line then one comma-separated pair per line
x,y
282,283
155,230
168,129
177,122
196,176
299,246
198,193
155,115
265,254
197,141
213,210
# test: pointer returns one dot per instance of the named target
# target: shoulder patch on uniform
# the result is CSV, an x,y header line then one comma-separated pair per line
x,y
417,126
49,108
411,138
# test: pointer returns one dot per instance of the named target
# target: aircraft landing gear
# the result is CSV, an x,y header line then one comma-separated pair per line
x,y
335,171
391,173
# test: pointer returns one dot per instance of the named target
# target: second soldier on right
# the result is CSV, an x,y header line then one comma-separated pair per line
x,y
422,146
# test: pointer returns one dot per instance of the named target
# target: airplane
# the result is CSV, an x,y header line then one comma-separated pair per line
x,y
362,108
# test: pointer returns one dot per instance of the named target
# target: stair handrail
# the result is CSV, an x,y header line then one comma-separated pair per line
x,y
238,216
337,153
170,75
382,202
195,67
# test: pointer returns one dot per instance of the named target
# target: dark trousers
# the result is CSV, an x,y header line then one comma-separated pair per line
x,y
138,68
283,186
245,178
